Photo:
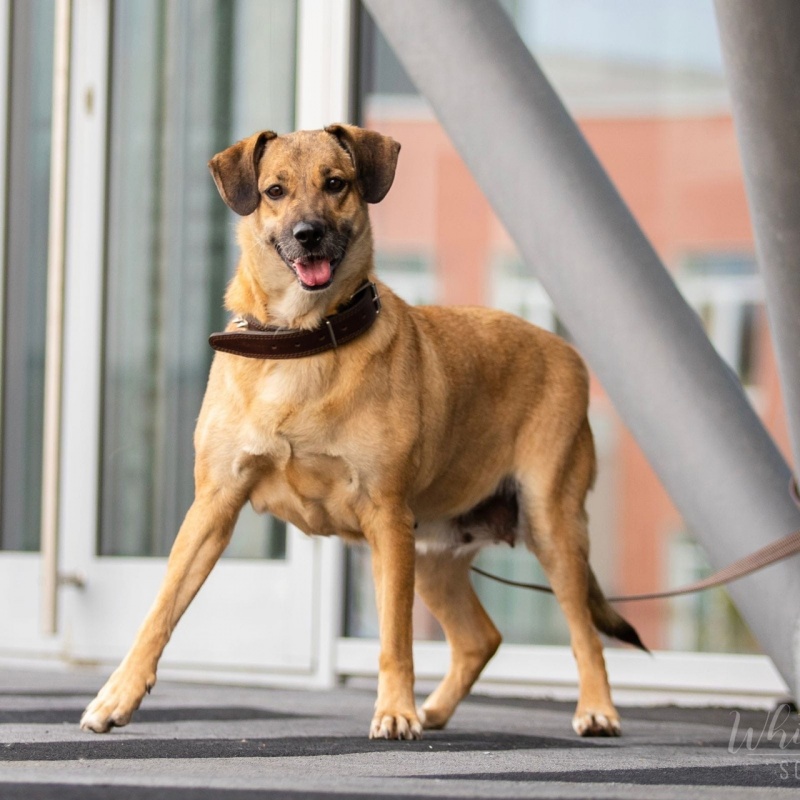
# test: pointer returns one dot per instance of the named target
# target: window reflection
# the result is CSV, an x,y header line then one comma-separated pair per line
x,y
24,295
188,78
645,84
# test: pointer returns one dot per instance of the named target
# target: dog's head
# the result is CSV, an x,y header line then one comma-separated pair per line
x,y
305,198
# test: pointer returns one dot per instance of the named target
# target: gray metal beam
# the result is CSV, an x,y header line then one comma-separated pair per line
x,y
681,402
761,47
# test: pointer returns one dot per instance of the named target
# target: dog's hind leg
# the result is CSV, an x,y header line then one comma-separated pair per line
x,y
203,536
442,581
552,499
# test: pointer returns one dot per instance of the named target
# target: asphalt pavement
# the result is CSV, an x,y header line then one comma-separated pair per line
x,y
211,742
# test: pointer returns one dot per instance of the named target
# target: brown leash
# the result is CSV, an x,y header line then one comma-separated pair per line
x,y
771,554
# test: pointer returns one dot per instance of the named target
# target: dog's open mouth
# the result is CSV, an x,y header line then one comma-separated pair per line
x,y
314,269
314,273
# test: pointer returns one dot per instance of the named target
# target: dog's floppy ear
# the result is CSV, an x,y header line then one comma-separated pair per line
x,y
374,156
235,171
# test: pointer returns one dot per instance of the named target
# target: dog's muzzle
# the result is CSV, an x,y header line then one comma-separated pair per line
x,y
313,252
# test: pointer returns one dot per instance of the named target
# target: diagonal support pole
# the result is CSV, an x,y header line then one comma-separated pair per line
x,y
684,406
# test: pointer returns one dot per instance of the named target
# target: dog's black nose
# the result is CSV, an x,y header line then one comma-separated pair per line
x,y
309,234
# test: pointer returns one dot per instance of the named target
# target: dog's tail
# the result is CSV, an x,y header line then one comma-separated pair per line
x,y
607,620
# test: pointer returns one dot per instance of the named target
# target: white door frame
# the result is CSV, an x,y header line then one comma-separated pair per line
x,y
324,85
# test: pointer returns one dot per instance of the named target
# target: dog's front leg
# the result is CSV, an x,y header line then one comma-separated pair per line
x,y
203,536
390,534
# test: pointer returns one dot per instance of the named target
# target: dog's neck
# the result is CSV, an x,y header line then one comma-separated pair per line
x,y
281,301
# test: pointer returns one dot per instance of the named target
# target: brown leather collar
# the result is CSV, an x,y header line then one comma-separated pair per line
x,y
254,340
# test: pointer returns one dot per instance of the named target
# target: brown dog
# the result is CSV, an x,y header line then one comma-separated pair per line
x,y
433,432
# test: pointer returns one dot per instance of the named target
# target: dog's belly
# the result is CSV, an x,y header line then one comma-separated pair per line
x,y
316,493
494,520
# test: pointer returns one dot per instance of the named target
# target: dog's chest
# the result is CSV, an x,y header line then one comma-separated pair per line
x,y
310,469
318,493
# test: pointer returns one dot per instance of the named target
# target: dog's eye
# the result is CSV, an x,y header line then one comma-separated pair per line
x,y
275,191
334,185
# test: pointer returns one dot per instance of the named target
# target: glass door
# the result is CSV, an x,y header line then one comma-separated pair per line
x,y
158,87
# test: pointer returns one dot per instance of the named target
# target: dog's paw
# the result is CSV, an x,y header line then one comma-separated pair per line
x,y
115,702
596,723
388,725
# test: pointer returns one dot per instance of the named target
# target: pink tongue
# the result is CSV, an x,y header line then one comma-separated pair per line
x,y
314,273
